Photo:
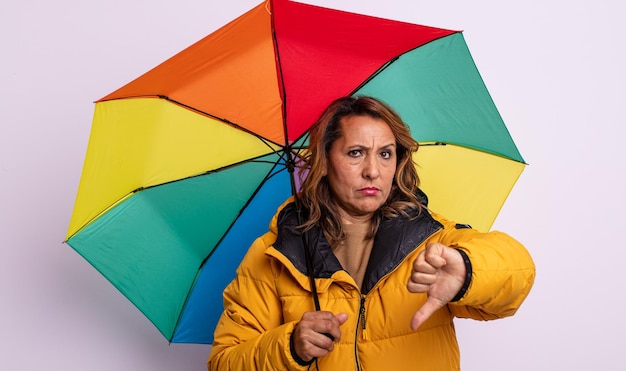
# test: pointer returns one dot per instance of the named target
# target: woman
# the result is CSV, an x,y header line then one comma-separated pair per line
x,y
390,275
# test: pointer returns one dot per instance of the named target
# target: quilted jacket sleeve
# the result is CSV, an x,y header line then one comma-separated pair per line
x,y
503,272
250,334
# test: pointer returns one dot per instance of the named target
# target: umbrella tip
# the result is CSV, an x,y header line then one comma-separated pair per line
x,y
268,7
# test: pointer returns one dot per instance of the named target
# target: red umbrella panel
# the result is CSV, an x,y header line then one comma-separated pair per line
x,y
187,164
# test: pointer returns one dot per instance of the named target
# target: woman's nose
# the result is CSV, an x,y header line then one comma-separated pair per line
x,y
370,167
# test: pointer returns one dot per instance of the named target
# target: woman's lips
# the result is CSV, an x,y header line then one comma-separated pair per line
x,y
369,191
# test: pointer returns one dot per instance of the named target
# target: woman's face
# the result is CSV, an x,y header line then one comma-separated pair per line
x,y
361,166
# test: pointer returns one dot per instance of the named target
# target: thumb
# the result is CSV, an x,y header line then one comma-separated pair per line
x,y
430,306
342,318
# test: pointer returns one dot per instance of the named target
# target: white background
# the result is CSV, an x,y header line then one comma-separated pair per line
x,y
554,68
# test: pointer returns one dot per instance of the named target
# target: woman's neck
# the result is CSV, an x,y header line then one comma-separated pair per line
x,y
354,251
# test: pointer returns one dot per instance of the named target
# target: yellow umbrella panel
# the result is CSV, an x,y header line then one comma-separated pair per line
x,y
142,142
482,181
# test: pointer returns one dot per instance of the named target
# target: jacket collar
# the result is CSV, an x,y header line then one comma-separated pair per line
x,y
395,240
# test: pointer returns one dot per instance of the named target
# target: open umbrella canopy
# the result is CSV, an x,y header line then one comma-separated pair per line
x,y
187,164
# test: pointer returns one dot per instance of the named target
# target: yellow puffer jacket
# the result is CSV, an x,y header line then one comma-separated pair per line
x,y
272,291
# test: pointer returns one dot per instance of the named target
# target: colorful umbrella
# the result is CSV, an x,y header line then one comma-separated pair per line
x,y
187,163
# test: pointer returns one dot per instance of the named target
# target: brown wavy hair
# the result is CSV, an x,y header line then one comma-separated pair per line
x,y
316,196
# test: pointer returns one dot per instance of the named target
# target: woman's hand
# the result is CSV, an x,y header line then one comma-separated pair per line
x,y
438,271
315,334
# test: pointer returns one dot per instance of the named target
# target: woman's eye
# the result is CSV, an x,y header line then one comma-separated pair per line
x,y
386,154
354,153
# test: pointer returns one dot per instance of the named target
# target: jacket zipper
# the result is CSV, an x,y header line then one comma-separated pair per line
x,y
362,317
361,323
360,327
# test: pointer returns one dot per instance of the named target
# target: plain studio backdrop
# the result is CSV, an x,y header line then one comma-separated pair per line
x,y
555,69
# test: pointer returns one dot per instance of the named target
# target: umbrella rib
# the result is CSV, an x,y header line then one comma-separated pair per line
x,y
290,161
430,144
281,81
255,159
226,121
268,176
390,62
273,172
139,189
376,73
433,144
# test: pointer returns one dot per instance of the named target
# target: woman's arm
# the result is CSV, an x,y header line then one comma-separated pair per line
x,y
503,272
